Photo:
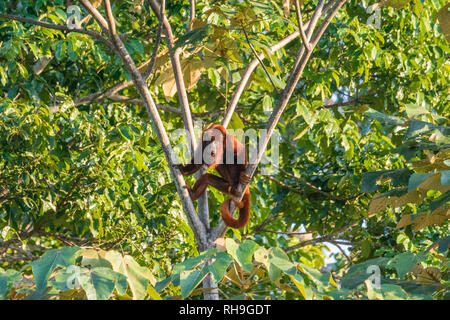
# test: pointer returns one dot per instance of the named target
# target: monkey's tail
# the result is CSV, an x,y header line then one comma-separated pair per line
x,y
244,212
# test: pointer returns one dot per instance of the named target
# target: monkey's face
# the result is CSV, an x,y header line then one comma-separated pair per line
x,y
212,145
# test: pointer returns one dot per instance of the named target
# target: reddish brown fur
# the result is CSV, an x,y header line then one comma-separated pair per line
x,y
230,176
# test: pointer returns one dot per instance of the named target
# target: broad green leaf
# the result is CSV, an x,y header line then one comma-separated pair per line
x,y
219,265
404,262
245,254
414,110
274,272
94,258
44,266
280,259
300,284
262,256
307,115
398,178
393,292
236,122
322,280
190,279
358,273
137,276
7,280
99,283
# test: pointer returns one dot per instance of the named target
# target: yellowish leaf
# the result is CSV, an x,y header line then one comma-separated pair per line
x,y
443,16
220,244
191,70
428,275
417,196
424,220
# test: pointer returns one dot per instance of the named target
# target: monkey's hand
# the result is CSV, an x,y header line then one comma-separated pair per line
x,y
244,178
189,189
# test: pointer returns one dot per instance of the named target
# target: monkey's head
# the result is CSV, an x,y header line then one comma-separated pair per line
x,y
213,144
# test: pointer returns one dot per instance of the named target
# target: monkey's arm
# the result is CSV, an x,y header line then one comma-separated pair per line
x,y
214,181
189,168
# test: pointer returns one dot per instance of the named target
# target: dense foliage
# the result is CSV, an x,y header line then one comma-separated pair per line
x,y
88,207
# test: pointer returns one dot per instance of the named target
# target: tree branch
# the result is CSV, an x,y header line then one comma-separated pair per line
x,y
257,57
194,222
93,34
97,16
293,79
252,66
183,99
149,68
300,26
191,13
178,73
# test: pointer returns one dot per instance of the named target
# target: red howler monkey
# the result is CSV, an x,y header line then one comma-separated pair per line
x,y
228,163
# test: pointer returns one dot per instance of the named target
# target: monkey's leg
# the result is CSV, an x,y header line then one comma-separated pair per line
x,y
212,180
189,169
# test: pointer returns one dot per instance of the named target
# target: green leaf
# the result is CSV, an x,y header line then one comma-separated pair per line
x,y
245,254
219,265
404,262
307,115
357,274
398,178
417,179
414,110
23,71
236,122
140,165
190,279
44,266
3,76
214,77
300,284
94,258
267,103
193,262
322,280
138,277
7,280
393,292
99,283
274,272
60,52
280,259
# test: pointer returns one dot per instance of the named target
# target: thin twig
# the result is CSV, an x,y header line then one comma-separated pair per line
x,y
300,26
97,16
110,18
316,189
149,68
257,57
93,34
191,13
